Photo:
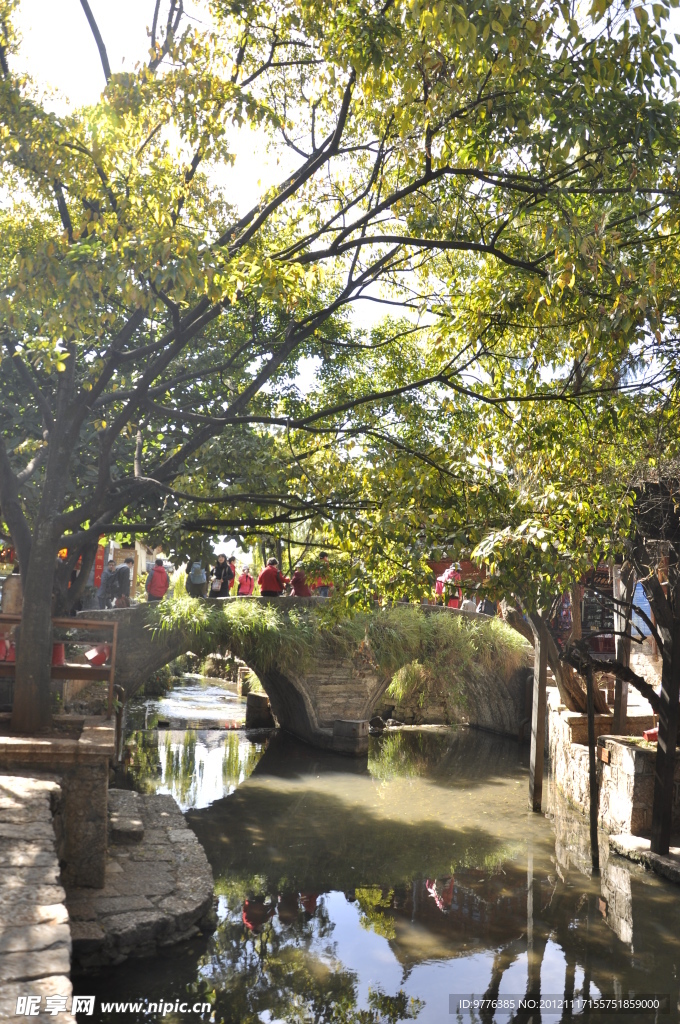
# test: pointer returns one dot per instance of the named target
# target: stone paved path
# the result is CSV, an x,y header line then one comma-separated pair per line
x,y
35,942
159,885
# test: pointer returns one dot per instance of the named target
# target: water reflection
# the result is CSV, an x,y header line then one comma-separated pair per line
x,y
200,702
353,892
189,743
196,767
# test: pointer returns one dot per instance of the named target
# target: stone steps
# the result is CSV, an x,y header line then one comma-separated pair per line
x,y
158,888
125,816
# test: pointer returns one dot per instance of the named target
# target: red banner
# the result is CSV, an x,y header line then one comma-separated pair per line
x,y
99,565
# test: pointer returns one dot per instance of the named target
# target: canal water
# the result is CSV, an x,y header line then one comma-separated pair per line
x,y
406,887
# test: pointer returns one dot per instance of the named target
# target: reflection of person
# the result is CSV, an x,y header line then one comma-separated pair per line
x,y
256,913
441,892
309,902
271,581
288,908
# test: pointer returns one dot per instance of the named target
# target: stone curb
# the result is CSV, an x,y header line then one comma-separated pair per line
x,y
158,889
637,849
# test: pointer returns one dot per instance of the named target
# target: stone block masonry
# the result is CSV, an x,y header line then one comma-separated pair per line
x,y
158,888
35,942
78,753
625,770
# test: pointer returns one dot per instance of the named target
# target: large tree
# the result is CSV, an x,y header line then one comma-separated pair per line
x,y
142,318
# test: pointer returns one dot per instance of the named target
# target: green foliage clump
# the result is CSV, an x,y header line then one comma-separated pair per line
x,y
373,905
450,647
415,649
158,683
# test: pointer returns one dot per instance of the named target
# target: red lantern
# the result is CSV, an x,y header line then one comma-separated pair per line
x,y
58,654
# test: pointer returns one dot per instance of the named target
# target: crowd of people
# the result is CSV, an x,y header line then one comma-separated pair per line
x,y
115,589
222,577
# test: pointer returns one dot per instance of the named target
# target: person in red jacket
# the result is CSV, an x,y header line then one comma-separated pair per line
x,y
246,583
157,582
270,579
299,583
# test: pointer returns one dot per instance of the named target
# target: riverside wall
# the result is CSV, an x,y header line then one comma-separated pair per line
x,y
625,769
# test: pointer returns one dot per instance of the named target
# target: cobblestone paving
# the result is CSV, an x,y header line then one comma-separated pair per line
x,y
159,885
35,942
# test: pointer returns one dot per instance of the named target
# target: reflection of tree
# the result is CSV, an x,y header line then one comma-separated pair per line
x,y
239,760
180,766
289,972
373,904
156,759
143,761
406,755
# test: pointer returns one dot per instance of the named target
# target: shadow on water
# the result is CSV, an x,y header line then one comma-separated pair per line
x,y
355,892
330,822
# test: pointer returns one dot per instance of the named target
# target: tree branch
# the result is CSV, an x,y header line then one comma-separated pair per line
x,y
28,471
30,382
580,658
98,39
532,266
11,510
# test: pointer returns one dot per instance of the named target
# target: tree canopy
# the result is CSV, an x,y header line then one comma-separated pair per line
x,y
500,171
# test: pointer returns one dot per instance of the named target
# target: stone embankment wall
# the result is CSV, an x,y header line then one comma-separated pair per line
x,y
35,941
625,770
158,891
78,755
572,854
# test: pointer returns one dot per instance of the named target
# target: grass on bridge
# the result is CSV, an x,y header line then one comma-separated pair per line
x,y
415,649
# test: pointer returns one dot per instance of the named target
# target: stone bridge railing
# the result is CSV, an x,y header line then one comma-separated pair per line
x,y
328,705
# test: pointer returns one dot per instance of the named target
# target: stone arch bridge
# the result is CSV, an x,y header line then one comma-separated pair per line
x,y
328,705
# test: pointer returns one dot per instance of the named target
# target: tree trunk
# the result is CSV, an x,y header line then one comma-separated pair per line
x,y
32,710
664,776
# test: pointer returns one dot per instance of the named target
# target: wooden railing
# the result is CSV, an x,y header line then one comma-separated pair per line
x,y
73,670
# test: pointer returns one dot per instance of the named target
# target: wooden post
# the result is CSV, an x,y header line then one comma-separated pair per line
x,y
664,774
576,628
592,766
624,586
537,756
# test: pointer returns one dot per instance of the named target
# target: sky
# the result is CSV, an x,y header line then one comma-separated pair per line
x,y
59,51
